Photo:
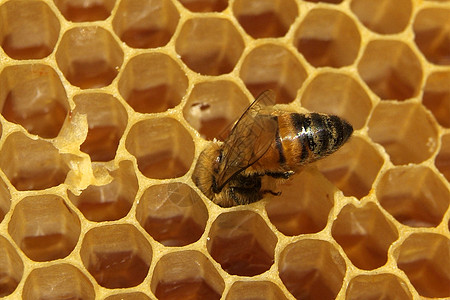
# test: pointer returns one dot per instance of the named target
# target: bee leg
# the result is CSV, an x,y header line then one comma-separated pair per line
x,y
270,192
280,175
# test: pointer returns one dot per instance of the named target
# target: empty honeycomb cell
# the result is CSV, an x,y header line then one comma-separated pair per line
x,y
242,243
379,286
85,10
443,158
30,29
209,45
128,296
338,94
117,256
60,281
186,275
213,106
33,96
173,214
415,196
153,82
425,258
107,120
365,235
411,139
163,148
11,267
44,227
255,290
205,5
265,18
353,168
111,201
385,17
274,67
312,269
432,34
5,199
32,164
436,97
145,23
303,206
328,38
89,57
391,69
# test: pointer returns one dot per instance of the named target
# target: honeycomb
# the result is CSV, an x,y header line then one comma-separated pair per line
x,y
105,106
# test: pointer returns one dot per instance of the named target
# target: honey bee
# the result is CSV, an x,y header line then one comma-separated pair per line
x,y
265,143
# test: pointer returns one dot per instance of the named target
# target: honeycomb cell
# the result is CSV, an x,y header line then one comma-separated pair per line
x,y
30,29
312,269
271,66
436,97
338,94
328,38
145,23
242,243
213,106
443,158
153,82
432,34
353,168
414,195
385,17
89,57
186,275
409,139
117,256
163,148
5,200
129,296
33,96
205,5
85,10
425,258
44,227
365,235
173,214
60,281
210,46
32,164
111,201
265,18
255,290
379,286
107,120
391,69
11,267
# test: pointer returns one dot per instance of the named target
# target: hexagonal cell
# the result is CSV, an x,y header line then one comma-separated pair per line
x,y
242,243
365,235
5,199
173,214
425,258
117,256
213,106
32,164
353,168
107,120
409,139
304,204
85,11
255,290
338,94
153,82
379,286
89,57
210,46
436,97
391,69
30,29
11,266
312,269
174,151
44,227
328,38
432,34
34,97
186,275
61,281
442,161
414,195
128,296
385,17
144,23
111,201
265,18
271,66
205,5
